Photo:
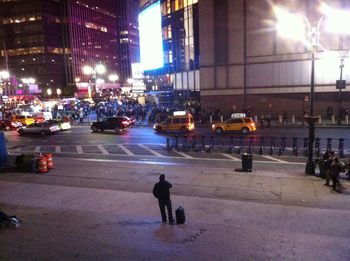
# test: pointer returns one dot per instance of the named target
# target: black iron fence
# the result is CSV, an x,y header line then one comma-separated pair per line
x,y
296,146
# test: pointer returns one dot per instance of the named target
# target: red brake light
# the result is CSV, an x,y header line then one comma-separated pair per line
x,y
125,122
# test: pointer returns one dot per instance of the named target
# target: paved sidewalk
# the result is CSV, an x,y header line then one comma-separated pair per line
x,y
86,210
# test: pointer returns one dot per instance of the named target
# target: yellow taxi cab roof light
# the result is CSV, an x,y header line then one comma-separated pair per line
x,y
179,113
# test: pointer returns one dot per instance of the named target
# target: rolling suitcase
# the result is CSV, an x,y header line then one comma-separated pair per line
x,y
180,215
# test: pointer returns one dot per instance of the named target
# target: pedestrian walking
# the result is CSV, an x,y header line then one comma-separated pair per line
x,y
329,162
335,169
161,191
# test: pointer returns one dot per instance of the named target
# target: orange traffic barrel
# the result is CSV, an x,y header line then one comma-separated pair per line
x,y
42,165
49,160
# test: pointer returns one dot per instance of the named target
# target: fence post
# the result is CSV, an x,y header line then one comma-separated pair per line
x,y
306,146
329,144
341,148
272,145
295,146
317,147
261,149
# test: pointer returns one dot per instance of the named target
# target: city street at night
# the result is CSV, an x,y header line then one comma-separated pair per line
x,y
96,204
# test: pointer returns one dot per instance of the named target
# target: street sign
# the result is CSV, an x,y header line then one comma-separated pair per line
x,y
340,84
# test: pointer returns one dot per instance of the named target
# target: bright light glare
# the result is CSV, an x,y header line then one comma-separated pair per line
x,y
100,69
130,81
87,70
113,77
49,92
58,91
290,25
4,74
31,80
337,21
151,43
100,81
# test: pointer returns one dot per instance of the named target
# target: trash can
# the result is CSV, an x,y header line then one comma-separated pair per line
x,y
247,162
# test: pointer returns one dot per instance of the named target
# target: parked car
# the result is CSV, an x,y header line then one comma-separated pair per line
x,y
243,124
64,125
117,124
39,128
9,125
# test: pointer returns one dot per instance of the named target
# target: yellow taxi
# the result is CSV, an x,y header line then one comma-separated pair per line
x,y
179,121
24,119
242,124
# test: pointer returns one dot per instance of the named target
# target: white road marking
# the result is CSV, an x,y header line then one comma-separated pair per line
x,y
274,159
37,148
230,157
103,150
150,150
125,150
79,149
58,149
183,154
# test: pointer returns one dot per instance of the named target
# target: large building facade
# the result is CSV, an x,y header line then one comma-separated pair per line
x,y
180,33
52,40
245,62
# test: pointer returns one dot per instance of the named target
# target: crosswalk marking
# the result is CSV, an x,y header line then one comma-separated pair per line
x,y
58,149
183,154
37,149
274,159
123,148
79,149
103,150
230,157
150,150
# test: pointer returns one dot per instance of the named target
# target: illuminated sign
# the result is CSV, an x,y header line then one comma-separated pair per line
x,y
151,43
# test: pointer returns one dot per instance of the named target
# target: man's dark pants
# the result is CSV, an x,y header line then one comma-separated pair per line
x,y
167,204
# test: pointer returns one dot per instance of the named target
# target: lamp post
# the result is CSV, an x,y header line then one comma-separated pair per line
x,y
340,86
94,71
58,91
49,92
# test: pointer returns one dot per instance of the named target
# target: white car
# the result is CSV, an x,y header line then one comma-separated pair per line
x,y
64,125
39,128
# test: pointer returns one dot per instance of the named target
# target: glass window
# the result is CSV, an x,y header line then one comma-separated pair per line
x,y
236,120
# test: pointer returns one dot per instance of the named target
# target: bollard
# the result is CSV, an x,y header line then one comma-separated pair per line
x,y
346,119
211,118
184,143
295,146
317,147
333,119
282,146
222,118
341,148
261,148
272,145
168,146
231,148
293,119
319,119
176,142
306,146
240,145
329,144
194,143
203,143
211,145
251,145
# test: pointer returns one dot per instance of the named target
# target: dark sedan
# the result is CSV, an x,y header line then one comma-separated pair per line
x,y
117,124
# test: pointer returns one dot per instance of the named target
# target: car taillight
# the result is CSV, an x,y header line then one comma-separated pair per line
x,y
125,122
252,124
13,124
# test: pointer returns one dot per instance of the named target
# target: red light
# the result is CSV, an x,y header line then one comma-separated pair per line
x,y
125,122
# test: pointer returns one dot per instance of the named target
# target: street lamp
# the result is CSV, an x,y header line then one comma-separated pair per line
x,y
293,26
93,71
58,91
49,92
4,75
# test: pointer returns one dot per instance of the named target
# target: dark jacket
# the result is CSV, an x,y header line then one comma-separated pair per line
x,y
161,190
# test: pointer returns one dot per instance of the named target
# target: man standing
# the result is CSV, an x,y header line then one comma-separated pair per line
x,y
162,193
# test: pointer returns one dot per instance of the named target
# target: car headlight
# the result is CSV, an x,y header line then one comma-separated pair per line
x,y
213,126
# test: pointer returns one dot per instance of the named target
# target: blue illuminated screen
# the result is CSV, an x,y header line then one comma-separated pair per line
x,y
151,44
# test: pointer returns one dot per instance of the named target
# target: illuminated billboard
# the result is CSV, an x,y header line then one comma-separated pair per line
x,y
151,43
